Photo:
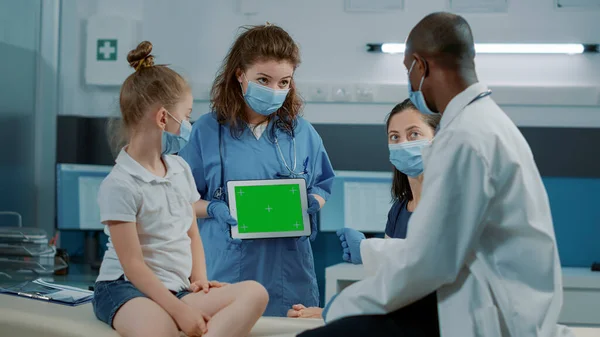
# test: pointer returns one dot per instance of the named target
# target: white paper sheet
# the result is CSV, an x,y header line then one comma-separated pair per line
x,y
479,6
373,5
366,205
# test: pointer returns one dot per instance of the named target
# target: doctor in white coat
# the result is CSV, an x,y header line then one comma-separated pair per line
x,y
482,236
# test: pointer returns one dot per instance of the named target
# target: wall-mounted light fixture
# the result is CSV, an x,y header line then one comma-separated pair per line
x,y
502,48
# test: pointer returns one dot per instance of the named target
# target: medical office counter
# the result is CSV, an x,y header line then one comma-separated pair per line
x,y
581,291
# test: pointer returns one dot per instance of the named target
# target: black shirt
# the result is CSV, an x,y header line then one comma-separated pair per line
x,y
398,217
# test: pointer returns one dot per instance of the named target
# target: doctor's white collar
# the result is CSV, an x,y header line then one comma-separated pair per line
x,y
459,102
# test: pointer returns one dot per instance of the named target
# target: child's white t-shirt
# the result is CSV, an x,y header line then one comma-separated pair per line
x,y
162,209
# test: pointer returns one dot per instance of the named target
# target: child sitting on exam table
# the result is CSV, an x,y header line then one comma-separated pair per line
x,y
408,131
153,279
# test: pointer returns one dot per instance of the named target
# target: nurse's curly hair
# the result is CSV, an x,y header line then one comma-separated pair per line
x,y
400,186
255,44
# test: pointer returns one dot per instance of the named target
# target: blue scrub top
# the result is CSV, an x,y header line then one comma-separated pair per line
x,y
284,266
398,217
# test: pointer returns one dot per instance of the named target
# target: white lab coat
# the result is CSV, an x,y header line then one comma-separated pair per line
x,y
482,235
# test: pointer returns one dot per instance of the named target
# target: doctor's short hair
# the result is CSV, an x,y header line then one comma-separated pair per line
x,y
400,187
148,86
255,44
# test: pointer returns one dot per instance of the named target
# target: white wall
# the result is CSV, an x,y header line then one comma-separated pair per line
x,y
194,35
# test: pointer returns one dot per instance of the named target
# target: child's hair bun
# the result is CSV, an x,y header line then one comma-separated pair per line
x,y
140,57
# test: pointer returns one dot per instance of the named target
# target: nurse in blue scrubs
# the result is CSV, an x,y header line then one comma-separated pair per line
x,y
408,131
254,131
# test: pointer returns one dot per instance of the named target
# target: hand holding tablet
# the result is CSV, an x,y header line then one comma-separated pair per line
x,y
219,210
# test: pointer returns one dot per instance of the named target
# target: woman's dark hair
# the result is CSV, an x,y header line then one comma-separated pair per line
x,y
254,44
400,187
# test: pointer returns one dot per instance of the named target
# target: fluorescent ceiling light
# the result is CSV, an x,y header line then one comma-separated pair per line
x,y
393,48
521,48
502,48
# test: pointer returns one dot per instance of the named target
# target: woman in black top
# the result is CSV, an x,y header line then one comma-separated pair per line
x,y
408,131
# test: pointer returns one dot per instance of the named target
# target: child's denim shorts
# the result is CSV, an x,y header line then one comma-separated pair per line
x,y
109,297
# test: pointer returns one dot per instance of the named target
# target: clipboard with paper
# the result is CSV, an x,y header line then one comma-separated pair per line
x,y
49,292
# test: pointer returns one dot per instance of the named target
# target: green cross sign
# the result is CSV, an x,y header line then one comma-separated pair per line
x,y
106,50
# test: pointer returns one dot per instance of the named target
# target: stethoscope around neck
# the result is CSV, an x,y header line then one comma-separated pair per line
x,y
480,96
219,193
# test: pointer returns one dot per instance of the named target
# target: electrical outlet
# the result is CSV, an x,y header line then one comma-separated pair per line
x,y
364,93
341,93
391,93
318,93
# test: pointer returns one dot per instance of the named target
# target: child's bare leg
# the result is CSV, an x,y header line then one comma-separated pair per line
x,y
234,308
143,317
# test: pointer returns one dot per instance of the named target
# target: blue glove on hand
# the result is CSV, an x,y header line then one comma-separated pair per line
x,y
313,205
350,240
219,211
313,208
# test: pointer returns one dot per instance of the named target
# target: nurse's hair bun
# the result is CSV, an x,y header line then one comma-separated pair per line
x,y
140,57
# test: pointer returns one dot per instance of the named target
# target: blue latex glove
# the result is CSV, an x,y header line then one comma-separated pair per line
x,y
218,210
313,205
313,208
350,240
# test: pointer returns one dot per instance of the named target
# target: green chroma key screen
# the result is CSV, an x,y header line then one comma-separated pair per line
x,y
263,209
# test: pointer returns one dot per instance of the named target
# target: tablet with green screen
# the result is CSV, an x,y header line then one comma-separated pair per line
x,y
269,208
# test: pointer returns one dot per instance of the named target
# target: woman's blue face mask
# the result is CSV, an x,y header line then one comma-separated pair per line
x,y
407,158
262,99
416,97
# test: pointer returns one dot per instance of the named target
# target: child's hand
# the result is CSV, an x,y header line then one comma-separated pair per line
x,y
198,285
205,285
192,322
217,284
300,311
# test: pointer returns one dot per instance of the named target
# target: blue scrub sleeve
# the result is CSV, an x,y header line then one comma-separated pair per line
x,y
192,154
322,174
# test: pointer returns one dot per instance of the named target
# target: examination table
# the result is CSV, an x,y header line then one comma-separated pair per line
x,y
20,317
